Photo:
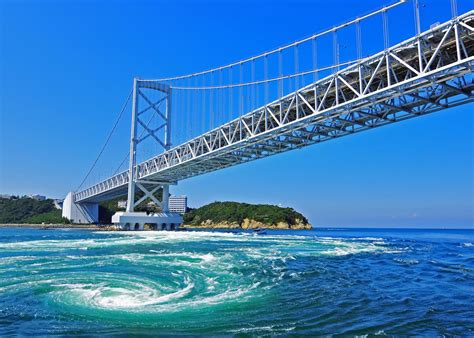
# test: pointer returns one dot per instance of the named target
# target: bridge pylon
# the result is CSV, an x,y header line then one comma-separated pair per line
x,y
130,219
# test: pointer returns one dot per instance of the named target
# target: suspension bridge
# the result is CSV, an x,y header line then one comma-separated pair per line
x,y
278,101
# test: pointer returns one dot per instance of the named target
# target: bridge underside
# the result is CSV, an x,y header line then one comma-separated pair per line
x,y
419,76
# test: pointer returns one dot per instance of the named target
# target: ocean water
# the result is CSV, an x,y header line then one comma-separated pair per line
x,y
351,282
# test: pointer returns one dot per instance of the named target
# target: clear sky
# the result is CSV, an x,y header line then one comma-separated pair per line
x,y
66,67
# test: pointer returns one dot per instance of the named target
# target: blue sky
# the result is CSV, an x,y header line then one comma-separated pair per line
x,y
66,67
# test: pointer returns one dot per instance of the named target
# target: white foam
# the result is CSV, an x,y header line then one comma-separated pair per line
x,y
129,295
248,268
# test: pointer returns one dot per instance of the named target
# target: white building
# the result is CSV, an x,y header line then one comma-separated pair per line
x,y
122,204
178,204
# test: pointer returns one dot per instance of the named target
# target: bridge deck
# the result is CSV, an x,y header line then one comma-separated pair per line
x,y
421,75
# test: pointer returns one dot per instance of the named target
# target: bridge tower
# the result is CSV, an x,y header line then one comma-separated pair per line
x,y
130,219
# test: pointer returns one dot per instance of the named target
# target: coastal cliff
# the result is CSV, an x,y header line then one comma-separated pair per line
x,y
233,215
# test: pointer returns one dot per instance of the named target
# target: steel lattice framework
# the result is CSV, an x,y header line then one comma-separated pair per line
x,y
427,73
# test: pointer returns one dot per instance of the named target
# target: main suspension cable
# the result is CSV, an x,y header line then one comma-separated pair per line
x,y
296,43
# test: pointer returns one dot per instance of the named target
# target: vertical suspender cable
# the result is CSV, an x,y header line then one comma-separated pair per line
x,y
359,51
171,125
185,110
335,51
252,92
241,93
454,8
207,97
203,107
257,87
296,60
225,108
211,103
181,112
386,40
358,40
314,48
217,113
176,110
189,110
220,101
231,94
195,124
265,70
280,74
416,8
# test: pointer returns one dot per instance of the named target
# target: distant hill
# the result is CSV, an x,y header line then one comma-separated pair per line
x,y
233,215
26,210
30,211
236,215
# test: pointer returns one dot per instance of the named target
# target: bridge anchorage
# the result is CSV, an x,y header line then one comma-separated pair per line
x,y
429,72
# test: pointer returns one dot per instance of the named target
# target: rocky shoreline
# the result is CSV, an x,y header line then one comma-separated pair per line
x,y
249,224
246,225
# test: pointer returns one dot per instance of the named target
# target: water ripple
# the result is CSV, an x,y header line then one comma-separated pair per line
x,y
224,283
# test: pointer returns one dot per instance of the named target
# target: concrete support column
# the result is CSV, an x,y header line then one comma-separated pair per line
x,y
165,200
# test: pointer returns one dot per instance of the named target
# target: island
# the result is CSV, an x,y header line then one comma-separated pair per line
x,y
234,215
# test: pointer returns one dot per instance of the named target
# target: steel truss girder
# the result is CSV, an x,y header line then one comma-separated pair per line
x,y
402,82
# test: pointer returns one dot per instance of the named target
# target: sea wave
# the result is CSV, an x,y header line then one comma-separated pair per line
x,y
164,279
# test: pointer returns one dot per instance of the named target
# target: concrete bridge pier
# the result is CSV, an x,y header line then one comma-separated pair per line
x,y
132,226
137,220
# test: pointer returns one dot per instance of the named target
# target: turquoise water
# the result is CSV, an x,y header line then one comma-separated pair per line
x,y
355,282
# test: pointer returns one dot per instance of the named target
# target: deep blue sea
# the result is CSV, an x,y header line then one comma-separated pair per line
x,y
320,282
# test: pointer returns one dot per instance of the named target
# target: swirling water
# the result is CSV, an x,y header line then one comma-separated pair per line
x,y
353,282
